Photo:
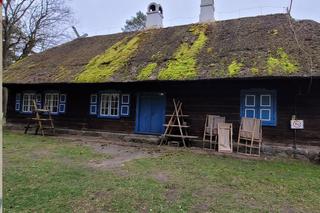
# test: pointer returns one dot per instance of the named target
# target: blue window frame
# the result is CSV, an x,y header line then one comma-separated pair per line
x,y
261,104
93,104
18,102
125,105
38,100
63,98
125,110
52,102
62,108
94,99
62,104
93,109
27,102
109,104
125,99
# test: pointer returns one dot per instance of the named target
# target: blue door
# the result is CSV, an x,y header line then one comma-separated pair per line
x,y
150,114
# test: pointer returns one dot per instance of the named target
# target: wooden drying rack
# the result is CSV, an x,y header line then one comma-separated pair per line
x,y
176,122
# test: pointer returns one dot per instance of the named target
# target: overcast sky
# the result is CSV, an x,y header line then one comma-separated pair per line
x,y
108,16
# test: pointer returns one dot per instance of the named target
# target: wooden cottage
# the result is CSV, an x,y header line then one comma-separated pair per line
x,y
266,67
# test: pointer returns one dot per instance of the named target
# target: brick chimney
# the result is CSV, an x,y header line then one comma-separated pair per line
x,y
207,11
154,16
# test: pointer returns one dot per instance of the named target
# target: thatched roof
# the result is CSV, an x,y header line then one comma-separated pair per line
x,y
263,46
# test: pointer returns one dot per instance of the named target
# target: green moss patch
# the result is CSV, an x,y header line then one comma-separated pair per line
x,y
254,71
146,72
183,64
102,67
234,68
281,62
62,74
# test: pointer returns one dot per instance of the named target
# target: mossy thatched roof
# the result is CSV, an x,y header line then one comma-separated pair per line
x,y
262,46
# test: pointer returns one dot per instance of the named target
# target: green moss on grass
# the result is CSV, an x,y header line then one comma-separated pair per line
x,y
183,64
234,68
102,67
146,72
281,62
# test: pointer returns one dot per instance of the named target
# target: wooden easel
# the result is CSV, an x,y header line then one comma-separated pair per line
x,y
176,122
39,121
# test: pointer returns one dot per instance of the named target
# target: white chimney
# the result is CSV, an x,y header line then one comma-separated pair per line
x,y
207,11
154,16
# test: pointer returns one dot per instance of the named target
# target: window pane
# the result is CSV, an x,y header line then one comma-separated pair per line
x,y
17,106
265,114
93,99
93,109
109,104
125,110
265,100
52,102
250,100
27,102
250,113
125,99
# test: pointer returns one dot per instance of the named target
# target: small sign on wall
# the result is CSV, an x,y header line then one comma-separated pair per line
x,y
297,124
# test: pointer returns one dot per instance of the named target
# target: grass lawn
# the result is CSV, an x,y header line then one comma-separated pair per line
x,y
47,175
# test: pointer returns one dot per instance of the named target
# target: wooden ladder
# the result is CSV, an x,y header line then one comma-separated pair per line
x,y
39,121
176,121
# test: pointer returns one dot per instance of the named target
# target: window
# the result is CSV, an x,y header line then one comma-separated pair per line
x,y
63,98
109,105
125,99
62,104
94,99
51,102
27,102
125,107
124,110
38,101
93,104
18,102
259,103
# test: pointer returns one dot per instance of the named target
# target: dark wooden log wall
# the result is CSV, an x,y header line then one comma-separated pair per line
x,y
220,97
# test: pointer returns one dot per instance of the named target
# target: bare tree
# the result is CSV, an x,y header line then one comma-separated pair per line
x,y
33,25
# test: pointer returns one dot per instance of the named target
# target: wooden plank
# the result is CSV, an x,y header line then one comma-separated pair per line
x,y
182,136
41,119
172,125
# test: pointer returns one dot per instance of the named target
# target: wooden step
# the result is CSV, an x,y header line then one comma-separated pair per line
x,y
182,126
255,146
181,136
41,119
176,143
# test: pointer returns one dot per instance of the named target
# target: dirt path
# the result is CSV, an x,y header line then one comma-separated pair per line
x,y
120,152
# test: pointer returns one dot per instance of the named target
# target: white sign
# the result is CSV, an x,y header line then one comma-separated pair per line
x,y
297,124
